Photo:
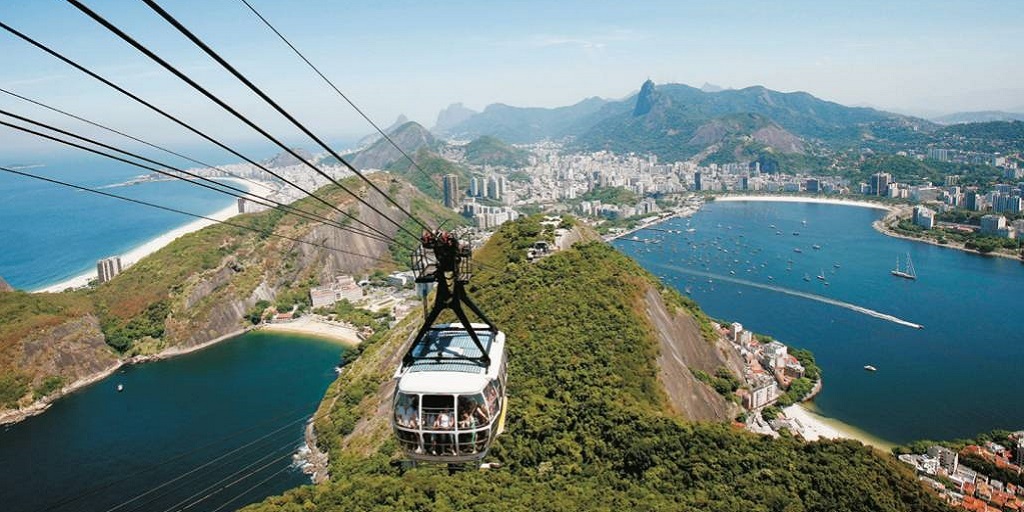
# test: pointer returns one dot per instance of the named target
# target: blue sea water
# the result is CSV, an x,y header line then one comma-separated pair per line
x,y
49,233
216,427
959,376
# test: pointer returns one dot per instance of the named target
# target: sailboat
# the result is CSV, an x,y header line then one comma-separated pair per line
x,y
907,272
822,275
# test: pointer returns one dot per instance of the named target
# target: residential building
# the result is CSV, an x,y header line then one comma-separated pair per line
x,y
992,224
948,459
924,217
451,190
343,287
763,391
400,279
774,356
734,330
107,268
880,184
974,201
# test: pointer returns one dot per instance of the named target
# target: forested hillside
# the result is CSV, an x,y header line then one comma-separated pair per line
x,y
204,285
589,424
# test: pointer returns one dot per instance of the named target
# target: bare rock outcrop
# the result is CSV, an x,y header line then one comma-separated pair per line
x,y
73,350
682,348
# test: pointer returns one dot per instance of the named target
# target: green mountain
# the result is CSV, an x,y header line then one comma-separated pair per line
x,y
202,286
487,150
410,136
990,131
674,120
984,116
593,421
451,116
427,175
523,125
374,137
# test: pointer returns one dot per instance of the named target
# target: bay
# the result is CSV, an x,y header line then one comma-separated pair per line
x,y
178,427
957,377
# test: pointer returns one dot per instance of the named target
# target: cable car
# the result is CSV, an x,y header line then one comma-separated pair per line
x,y
449,403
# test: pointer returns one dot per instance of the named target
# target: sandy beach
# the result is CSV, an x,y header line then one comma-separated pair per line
x,y
309,326
133,256
818,427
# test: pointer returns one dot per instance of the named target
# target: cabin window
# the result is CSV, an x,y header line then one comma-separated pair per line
x,y
473,412
492,396
407,411
439,422
438,412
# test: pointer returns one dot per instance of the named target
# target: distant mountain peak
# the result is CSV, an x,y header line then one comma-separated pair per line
x,y
374,137
710,87
645,98
285,159
451,116
410,136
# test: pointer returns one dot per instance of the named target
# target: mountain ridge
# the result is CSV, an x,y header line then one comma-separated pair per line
x,y
662,119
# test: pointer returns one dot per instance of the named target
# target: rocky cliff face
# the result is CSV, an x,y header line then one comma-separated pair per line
x,y
645,99
215,302
451,116
683,349
73,350
410,137
4,287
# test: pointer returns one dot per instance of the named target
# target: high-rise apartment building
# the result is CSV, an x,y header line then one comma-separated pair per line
x,y
107,268
451,191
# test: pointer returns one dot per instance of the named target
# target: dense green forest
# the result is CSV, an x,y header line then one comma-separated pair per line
x,y
588,426
488,150
610,195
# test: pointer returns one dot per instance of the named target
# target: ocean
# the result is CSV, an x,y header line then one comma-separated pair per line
x,y
204,427
49,233
956,377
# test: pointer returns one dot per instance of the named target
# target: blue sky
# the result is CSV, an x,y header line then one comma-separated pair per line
x,y
414,58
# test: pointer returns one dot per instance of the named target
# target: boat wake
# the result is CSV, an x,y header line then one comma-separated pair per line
x,y
796,293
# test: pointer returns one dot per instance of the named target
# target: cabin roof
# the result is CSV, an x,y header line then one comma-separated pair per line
x,y
436,369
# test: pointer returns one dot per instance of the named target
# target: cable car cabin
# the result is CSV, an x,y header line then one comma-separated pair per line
x,y
449,404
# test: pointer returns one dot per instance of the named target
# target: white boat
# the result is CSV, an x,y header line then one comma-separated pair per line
x,y
870,368
120,388
822,275
907,272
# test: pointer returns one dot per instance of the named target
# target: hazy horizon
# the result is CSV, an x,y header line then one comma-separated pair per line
x,y
920,58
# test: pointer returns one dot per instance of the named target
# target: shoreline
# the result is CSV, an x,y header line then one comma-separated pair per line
x,y
818,426
313,328
137,253
40,406
882,226
803,199
321,330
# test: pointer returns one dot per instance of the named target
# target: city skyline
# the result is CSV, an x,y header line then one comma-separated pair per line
x,y
921,58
